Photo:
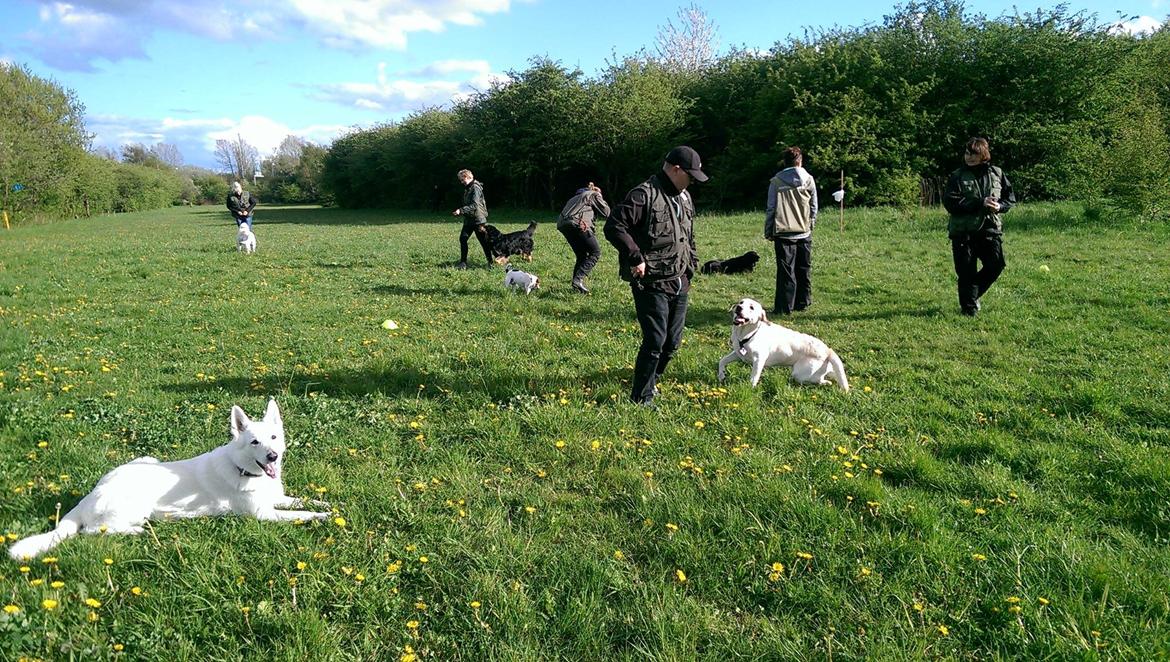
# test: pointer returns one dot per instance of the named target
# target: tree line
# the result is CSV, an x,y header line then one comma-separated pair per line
x,y
1074,109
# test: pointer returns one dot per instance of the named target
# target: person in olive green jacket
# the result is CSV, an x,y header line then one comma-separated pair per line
x,y
977,196
474,213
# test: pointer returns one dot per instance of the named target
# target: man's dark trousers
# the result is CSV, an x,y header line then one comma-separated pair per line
x,y
662,317
793,275
585,248
969,250
468,230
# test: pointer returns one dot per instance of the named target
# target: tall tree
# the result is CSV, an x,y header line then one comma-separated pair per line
x,y
689,45
237,157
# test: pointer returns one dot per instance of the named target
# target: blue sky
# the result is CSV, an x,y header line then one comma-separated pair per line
x,y
189,72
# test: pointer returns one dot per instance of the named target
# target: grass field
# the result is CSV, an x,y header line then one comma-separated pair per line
x,y
996,487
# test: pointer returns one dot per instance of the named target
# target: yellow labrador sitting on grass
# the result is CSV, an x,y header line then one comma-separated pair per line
x,y
760,343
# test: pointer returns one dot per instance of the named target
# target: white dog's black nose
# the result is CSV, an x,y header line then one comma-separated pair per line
x,y
272,457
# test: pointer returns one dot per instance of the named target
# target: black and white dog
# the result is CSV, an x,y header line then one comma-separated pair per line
x,y
736,265
514,243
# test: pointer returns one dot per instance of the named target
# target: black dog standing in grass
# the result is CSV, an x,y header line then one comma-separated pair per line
x,y
474,213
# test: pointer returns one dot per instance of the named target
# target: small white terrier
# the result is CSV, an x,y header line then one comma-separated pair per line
x,y
245,239
519,280
240,477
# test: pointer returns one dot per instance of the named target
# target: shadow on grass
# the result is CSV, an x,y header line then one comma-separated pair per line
x,y
402,381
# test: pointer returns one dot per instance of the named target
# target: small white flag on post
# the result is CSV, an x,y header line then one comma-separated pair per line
x,y
838,195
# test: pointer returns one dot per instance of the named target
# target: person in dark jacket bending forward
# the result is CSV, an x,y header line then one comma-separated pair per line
x,y
576,223
652,230
977,195
474,213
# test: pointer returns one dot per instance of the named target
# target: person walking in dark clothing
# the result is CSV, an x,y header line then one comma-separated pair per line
x,y
474,213
576,223
241,204
653,232
788,222
977,196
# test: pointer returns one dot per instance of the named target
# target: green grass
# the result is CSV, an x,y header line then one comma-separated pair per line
x,y
1023,454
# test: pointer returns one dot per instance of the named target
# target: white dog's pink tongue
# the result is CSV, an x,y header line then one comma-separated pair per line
x,y
269,469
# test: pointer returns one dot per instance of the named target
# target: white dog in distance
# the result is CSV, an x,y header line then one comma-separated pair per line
x,y
241,477
760,343
519,280
245,239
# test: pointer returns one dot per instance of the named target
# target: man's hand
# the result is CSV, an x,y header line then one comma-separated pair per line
x,y
457,212
991,203
638,271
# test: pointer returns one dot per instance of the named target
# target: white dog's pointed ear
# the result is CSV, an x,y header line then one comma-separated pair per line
x,y
272,414
240,421
763,315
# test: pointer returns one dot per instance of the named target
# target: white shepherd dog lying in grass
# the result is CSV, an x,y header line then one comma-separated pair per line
x,y
240,477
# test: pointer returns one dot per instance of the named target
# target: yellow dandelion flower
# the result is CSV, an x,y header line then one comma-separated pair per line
x,y
347,570
560,443
595,444
1015,609
618,554
36,582
49,560
245,609
672,527
11,609
700,425
1043,601
680,576
24,569
865,572
421,606
42,444
359,577
475,604
804,555
918,606
57,584
90,602
408,655
978,557
339,521
1012,600
92,617
423,559
980,511
943,630
49,604
301,565
777,567
108,561
136,590
119,647
648,474
529,509
394,567
412,624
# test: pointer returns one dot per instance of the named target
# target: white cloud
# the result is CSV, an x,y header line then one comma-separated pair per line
x,y
1139,25
196,138
73,35
401,93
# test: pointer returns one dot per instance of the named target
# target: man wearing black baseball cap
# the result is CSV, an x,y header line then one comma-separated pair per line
x,y
652,230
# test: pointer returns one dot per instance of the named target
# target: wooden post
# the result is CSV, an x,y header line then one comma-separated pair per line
x,y
841,222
